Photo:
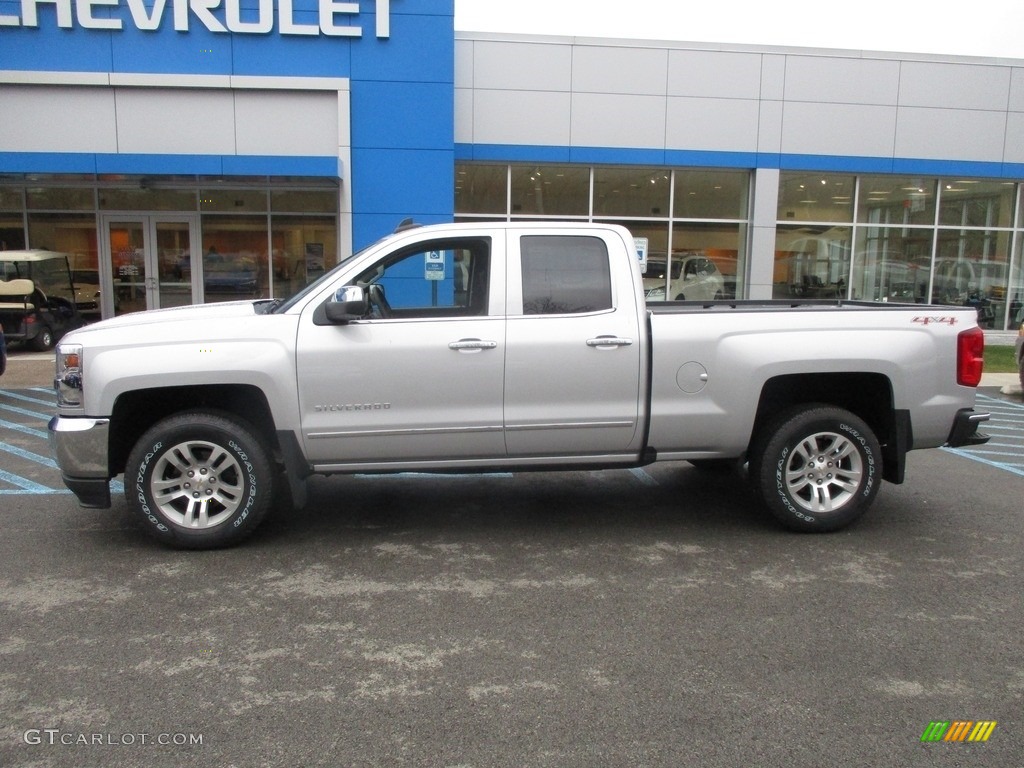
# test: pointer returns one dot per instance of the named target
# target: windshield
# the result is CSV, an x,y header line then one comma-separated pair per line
x,y
50,275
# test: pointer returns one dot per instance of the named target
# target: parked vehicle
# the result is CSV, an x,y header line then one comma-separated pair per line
x,y
37,297
471,347
87,291
231,274
694,278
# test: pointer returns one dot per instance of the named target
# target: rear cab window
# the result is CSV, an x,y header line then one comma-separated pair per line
x,y
565,274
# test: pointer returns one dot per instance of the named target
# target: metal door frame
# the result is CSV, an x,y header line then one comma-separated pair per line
x,y
148,222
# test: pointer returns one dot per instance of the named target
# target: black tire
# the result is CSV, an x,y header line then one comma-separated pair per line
x,y
816,467
43,341
222,503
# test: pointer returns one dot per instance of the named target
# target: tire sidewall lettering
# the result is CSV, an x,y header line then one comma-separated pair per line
x,y
780,486
140,487
867,454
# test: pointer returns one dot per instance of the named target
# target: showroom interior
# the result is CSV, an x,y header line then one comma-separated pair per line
x,y
232,155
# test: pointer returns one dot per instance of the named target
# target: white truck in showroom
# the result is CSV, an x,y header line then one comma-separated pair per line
x,y
527,346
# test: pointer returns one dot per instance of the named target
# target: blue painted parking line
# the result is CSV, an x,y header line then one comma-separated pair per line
x,y
46,461
51,402
15,427
643,476
32,406
25,486
25,412
1006,427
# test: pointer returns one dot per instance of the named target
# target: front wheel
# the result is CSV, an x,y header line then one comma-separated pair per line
x,y
817,468
199,480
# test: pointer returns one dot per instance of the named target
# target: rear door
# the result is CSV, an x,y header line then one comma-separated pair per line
x,y
573,346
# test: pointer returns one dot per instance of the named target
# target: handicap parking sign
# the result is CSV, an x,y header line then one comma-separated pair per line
x,y
433,265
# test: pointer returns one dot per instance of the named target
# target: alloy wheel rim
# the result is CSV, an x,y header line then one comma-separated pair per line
x,y
197,484
824,472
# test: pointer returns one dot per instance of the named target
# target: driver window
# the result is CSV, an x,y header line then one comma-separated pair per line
x,y
442,278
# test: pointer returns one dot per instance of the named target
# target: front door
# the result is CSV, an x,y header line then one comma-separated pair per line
x,y
421,377
147,262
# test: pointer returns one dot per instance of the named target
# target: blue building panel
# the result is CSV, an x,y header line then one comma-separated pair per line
x,y
291,55
249,165
164,51
205,165
420,49
47,162
402,115
367,228
55,50
392,184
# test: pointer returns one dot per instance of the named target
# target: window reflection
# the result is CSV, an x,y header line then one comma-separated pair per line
x,y
972,269
887,267
12,232
631,191
550,190
973,203
724,246
304,248
816,197
897,200
1015,308
234,257
811,263
711,194
481,188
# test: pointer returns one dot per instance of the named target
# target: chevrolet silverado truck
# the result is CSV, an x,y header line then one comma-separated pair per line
x,y
514,347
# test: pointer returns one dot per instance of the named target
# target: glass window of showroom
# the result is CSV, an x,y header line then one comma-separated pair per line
x,y
149,242
695,220
913,239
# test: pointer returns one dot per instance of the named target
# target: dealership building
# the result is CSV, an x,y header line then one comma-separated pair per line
x,y
191,151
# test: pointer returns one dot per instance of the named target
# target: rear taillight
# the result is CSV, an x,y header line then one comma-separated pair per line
x,y
970,357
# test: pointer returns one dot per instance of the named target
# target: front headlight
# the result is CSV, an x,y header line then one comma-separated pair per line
x,y
68,379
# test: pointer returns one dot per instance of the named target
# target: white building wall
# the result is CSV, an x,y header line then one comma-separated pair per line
x,y
573,92
212,116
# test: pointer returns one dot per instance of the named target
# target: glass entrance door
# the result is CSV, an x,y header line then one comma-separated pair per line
x,y
149,262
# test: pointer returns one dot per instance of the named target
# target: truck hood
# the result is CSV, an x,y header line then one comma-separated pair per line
x,y
212,314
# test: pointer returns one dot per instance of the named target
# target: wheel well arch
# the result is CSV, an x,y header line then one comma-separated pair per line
x,y
135,412
867,395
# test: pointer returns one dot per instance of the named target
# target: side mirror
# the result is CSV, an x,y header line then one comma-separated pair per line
x,y
349,303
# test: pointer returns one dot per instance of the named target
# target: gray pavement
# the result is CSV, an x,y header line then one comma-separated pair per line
x,y
630,618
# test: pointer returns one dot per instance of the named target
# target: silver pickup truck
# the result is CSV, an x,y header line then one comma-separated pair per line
x,y
467,347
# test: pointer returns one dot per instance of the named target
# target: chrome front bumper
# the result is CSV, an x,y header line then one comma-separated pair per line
x,y
80,447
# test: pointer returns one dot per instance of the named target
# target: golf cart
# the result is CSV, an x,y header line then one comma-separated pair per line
x,y
37,297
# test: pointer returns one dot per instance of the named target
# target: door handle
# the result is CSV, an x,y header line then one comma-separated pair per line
x,y
609,341
471,345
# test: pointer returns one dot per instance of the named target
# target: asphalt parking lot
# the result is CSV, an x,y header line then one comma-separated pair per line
x,y
645,618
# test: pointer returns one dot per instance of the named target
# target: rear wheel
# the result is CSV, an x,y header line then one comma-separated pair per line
x,y
199,480
43,341
816,467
